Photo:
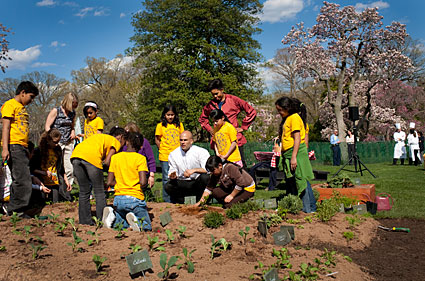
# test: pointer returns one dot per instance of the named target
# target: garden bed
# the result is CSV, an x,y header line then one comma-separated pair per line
x,y
363,192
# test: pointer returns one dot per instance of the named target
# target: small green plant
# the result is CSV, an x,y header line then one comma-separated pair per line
x,y
264,269
308,272
340,181
95,233
165,274
76,240
36,249
71,222
155,244
220,245
271,220
213,219
292,203
203,205
308,219
37,221
121,231
188,263
349,235
244,234
181,230
170,236
14,219
53,217
2,248
329,257
327,209
60,227
135,248
283,257
25,233
98,261
353,221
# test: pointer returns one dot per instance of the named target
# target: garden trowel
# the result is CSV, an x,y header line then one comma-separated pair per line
x,y
395,229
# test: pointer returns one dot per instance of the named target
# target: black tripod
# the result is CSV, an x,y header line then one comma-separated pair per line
x,y
355,158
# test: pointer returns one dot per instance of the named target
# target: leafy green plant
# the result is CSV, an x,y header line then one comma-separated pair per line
x,y
60,227
165,274
203,205
170,236
271,220
98,261
237,210
283,257
292,203
121,231
244,234
37,222
188,263
2,248
36,249
181,230
76,240
308,272
53,217
353,221
329,257
213,219
95,233
340,181
348,235
155,244
220,245
327,209
14,219
135,248
308,219
71,222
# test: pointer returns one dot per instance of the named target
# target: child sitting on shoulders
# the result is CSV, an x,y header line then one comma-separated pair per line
x,y
127,173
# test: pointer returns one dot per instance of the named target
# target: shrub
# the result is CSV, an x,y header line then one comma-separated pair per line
x,y
237,210
292,203
213,219
340,181
316,194
327,209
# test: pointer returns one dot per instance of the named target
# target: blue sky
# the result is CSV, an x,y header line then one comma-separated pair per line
x,y
57,35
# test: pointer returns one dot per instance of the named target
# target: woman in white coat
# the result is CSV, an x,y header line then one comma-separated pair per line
x,y
413,143
400,146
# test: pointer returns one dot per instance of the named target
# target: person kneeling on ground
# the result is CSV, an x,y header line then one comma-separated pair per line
x,y
127,173
187,173
235,184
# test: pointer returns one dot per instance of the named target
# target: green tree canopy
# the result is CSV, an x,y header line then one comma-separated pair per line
x,y
182,44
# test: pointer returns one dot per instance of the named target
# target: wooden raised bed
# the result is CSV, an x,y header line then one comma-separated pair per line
x,y
359,192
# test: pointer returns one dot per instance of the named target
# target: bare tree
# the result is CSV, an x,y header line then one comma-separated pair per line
x,y
4,44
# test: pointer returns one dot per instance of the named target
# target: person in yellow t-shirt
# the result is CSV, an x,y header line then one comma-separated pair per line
x,y
15,145
225,138
167,136
127,173
297,167
93,123
47,164
88,159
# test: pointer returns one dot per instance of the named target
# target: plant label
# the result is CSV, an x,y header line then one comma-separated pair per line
x,y
138,262
341,208
190,200
262,228
165,218
282,237
270,203
271,275
290,229
259,202
360,209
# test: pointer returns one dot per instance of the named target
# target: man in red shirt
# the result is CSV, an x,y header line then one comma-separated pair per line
x,y
231,106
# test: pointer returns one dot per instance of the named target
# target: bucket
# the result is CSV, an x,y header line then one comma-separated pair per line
x,y
383,201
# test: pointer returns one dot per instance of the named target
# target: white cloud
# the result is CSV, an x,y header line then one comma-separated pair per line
x,y
378,4
122,15
101,12
70,4
44,3
280,10
83,12
43,64
57,44
22,59
61,22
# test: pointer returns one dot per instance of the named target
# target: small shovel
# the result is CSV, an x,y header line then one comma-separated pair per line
x,y
395,229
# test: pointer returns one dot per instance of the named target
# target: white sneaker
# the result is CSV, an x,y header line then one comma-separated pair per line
x,y
132,221
108,217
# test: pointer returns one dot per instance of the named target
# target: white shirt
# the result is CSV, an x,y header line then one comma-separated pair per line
x,y
349,140
180,161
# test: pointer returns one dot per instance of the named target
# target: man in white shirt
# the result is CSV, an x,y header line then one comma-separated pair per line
x,y
400,146
187,173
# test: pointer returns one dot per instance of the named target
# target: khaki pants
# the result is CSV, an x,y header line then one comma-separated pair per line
x,y
67,151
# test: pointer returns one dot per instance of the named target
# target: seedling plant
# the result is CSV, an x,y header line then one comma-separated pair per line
x,y
170,236
25,233
181,230
155,244
244,234
60,227
120,228
283,257
71,222
98,261
135,248
220,245
166,265
36,249
188,263
14,219
76,240
348,235
95,233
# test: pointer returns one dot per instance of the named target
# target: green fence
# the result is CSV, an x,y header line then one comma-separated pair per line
x,y
369,152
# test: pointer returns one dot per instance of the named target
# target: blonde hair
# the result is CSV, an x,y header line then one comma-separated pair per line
x,y
132,128
67,101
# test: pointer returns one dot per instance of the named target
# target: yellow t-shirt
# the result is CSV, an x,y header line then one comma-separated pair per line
x,y
126,167
19,128
94,149
170,139
292,123
51,166
91,127
224,138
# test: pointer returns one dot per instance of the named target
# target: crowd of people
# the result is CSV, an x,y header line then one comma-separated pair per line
x,y
187,170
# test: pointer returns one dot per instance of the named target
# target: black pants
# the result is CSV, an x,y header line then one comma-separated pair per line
x,y
220,194
242,156
179,189
350,151
336,155
417,161
21,188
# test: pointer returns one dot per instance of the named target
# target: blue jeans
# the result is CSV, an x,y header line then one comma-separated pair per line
x,y
126,204
164,167
309,202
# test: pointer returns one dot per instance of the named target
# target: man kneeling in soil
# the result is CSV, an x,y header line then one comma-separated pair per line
x,y
187,173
